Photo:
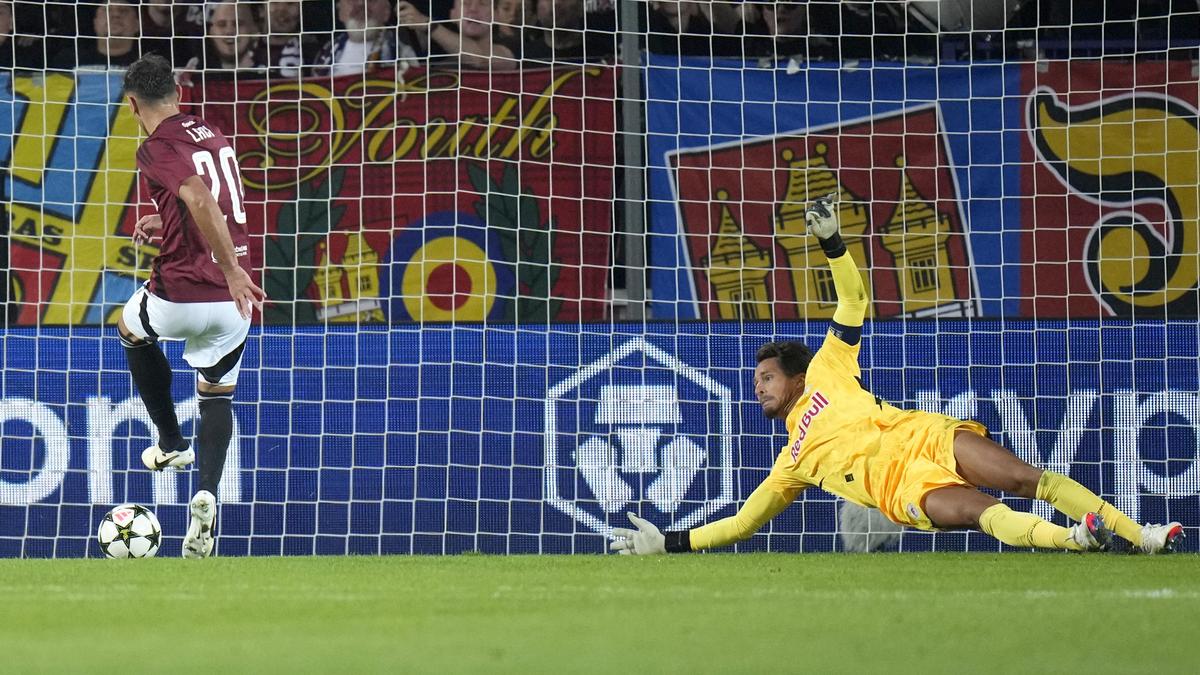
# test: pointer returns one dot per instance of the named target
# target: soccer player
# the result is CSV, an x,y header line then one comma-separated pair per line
x,y
920,469
200,288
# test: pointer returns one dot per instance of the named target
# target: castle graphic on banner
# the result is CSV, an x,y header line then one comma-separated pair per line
x,y
742,207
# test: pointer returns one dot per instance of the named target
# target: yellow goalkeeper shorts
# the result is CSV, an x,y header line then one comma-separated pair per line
x,y
926,440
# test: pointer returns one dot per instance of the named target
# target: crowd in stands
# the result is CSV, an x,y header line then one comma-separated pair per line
x,y
290,38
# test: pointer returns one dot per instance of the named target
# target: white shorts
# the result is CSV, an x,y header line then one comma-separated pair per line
x,y
214,332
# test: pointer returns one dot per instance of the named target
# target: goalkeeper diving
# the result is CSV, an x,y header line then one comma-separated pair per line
x,y
920,469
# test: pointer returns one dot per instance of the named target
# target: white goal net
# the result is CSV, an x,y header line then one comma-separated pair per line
x,y
520,256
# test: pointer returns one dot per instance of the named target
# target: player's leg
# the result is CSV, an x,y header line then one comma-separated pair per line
x,y
986,463
152,378
958,506
217,357
213,433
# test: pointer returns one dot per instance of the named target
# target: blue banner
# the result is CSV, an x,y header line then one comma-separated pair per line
x,y
702,105
953,183
435,439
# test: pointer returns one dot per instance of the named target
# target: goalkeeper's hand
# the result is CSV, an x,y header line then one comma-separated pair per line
x,y
821,217
645,540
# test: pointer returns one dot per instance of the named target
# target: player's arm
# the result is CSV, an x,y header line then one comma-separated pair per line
x,y
766,502
822,221
207,214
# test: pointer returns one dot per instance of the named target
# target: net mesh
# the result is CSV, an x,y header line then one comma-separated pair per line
x,y
520,257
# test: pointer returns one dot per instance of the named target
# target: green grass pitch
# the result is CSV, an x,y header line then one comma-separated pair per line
x,y
919,613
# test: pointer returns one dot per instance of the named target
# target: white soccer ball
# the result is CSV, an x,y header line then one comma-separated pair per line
x,y
130,531
866,530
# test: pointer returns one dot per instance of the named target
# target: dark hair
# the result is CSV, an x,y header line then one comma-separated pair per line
x,y
150,79
793,356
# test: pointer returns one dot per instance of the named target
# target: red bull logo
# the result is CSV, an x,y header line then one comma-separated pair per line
x,y
819,403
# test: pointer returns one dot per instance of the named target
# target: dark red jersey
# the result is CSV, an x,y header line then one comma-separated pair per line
x,y
183,146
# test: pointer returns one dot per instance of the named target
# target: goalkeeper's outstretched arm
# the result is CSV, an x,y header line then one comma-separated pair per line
x,y
822,222
762,505
774,494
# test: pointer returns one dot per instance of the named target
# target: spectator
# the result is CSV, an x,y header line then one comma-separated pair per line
x,y
476,42
234,46
191,24
61,31
864,30
678,28
17,50
775,30
509,17
720,29
559,34
174,29
114,40
368,38
288,47
158,19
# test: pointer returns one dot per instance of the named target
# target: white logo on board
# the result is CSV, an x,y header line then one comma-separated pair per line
x,y
633,441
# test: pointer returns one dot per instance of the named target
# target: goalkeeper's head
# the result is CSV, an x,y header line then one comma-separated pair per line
x,y
779,376
150,85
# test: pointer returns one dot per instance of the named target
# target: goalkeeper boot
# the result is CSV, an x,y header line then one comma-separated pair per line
x,y
198,543
1091,533
1161,538
157,459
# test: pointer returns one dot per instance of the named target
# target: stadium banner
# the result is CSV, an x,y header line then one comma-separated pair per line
x,y
411,439
1114,151
954,181
423,198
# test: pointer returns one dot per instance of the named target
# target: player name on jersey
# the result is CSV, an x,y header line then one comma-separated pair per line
x,y
199,133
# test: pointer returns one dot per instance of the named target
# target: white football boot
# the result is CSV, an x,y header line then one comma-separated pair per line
x,y
1092,534
157,459
198,543
1161,538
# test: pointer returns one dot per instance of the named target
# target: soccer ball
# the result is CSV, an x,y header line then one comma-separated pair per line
x,y
865,530
130,531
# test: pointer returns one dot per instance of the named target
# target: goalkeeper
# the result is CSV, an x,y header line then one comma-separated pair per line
x,y
920,469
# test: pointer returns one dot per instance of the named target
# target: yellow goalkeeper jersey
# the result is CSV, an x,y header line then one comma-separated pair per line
x,y
836,431
846,441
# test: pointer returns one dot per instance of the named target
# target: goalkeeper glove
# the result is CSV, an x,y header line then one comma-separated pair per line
x,y
645,540
822,220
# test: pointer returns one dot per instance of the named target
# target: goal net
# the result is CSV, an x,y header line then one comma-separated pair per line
x,y
518,275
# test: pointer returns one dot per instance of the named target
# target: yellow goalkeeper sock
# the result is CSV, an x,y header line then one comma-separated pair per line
x,y
1075,501
1025,529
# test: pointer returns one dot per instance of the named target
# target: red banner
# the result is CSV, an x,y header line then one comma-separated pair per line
x,y
1111,225
742,209
434,197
